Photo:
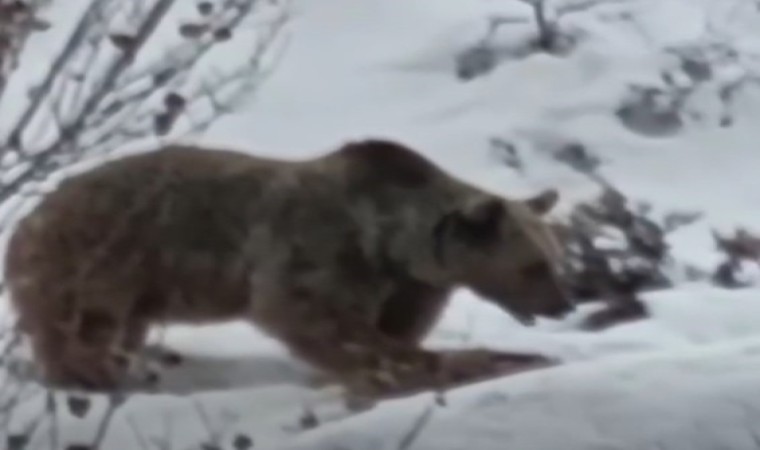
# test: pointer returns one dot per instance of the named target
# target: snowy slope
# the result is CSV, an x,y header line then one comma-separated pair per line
x,y
700,399
683,379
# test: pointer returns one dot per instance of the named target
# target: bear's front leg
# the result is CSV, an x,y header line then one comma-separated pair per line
x,y
366,362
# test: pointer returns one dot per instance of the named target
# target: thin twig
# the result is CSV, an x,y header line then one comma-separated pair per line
x,y
141,439
51,410
115,401
72,45
413,434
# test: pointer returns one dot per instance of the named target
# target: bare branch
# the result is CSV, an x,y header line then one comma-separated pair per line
x,y
414,432
154,17
141,440
115,401
74,43
96,109
18,20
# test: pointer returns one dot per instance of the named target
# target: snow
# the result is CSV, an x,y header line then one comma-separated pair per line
x,y
684,379
654,401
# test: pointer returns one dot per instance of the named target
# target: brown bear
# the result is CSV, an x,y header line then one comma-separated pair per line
x,y
348,258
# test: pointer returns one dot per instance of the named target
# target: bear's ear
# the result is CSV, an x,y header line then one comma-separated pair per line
x,y
543,202
474,224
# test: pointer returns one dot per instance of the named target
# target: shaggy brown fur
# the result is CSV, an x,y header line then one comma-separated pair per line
x,y
347,258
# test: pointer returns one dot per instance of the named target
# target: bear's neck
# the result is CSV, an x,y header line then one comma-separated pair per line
x,y
397,226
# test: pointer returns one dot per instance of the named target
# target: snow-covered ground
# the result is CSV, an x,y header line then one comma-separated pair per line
x,y
684,379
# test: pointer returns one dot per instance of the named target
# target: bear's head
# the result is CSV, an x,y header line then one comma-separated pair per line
x,y
504,251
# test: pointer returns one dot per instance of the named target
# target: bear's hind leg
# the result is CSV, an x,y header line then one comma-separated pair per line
x,y
77,358
93,354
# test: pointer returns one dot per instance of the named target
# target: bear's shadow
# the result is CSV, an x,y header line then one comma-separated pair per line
x,y
196,373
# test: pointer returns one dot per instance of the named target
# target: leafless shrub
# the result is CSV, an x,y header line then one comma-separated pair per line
x,y
549,37
743,246
615,248
242,442
652,111
615,273
546,36
711,66
616,251
506,153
